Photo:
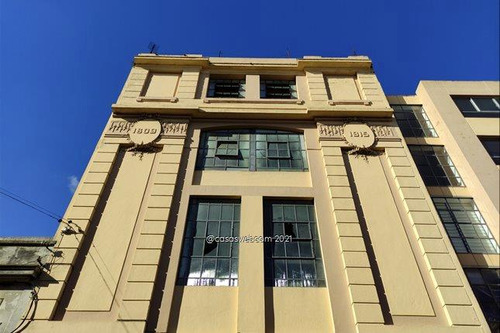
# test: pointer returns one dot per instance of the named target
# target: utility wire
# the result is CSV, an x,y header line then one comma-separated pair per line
x,y
32,205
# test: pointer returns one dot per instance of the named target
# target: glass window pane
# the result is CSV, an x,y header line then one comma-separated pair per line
x,y
464,104
435,166
492,146
301,212
465,225
225,229
206,263
413,121
223,269
486,285
213,228
296,263
251,148
208,268
292,249
195,268
223,249
280,269
485,104
198,245
304,231
227,212
224,88
202,212
306,250
234,268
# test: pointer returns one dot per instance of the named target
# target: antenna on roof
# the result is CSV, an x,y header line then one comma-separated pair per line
x,y
354,52
288,52
220,53
153,47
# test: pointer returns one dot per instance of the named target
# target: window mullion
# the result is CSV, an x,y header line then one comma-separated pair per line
x,y
474,104
252,155
496,103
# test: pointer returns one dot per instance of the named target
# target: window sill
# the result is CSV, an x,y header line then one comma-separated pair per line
x,y
481,114
479,260
350,102
448,191
423,141
157,99
257,101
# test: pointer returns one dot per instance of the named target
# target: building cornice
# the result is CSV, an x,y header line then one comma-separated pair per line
x,y
353,62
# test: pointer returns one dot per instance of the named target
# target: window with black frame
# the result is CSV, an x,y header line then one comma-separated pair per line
x,y
413,121
226,88
252,149
492,146
278,89
485,283
205,263
465,225
435,166
293,259
481,106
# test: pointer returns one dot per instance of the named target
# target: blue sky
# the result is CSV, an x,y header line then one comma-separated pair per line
x,y
63,63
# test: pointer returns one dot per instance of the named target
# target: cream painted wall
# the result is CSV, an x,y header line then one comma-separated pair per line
x,y
417,264
480,174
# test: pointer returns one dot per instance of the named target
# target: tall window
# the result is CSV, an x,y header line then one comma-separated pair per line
x,y
485,283
205,262
252,150
465,225
296,263
226,88
284,89
492,146
478,106
413,121
435,166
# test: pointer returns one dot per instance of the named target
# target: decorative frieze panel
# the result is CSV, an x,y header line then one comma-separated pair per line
x,y
119,127
331,131
168,127
174,128
336,131
383,131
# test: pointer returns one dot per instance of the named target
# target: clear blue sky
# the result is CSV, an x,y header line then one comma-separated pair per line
x,y
63,63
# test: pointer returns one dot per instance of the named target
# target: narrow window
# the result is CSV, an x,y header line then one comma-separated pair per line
x,y
206,263
435,166
465,225
413,121
293,259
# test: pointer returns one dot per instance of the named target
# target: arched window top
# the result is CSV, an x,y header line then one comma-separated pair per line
x,y
252,149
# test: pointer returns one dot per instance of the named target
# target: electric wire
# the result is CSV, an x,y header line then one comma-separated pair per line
x,y
58,218
34,300
28,201
34,206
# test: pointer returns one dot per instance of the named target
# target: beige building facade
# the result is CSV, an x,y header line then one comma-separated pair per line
x,y
266,195
453,131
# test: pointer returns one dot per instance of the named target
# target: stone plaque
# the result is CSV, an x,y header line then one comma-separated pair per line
x,y
145,132
359,135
